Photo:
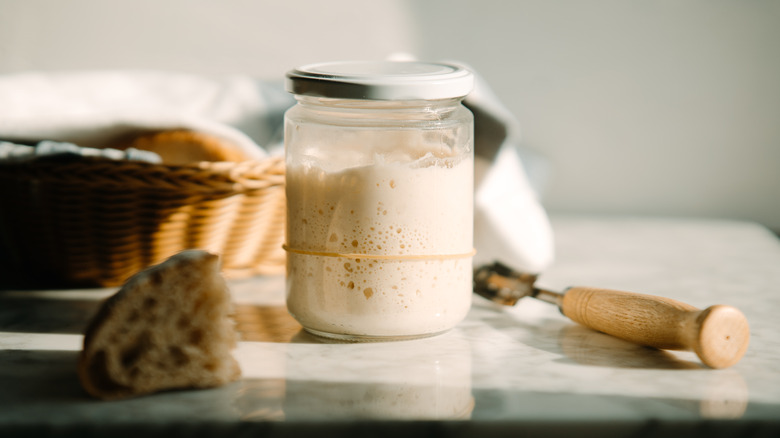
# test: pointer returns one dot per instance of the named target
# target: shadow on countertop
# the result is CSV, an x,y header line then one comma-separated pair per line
x,y
32,314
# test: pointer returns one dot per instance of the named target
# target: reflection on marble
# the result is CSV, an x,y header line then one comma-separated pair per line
x,y
259,323
421,379
307,400
527,366
724,395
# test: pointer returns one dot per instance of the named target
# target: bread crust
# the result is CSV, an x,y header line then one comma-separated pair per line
x,y
181,146
168,327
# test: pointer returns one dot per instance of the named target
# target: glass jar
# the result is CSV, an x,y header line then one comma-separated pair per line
x,y
379,182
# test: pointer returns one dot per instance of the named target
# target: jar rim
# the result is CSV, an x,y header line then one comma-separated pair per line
x,y
381,80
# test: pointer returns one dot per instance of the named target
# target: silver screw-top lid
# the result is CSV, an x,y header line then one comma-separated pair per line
x,y
381,80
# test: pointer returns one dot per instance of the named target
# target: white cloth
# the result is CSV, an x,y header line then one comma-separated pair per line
x,y
510,224
92,108
47,148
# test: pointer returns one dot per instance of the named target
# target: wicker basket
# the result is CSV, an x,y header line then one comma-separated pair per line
x,y
96,222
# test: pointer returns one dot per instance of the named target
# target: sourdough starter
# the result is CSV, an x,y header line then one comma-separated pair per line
x,y
408,210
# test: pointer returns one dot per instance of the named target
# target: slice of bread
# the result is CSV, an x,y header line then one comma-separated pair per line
x,y
168,327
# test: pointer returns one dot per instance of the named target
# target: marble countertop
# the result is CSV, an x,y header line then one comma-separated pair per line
x,y
501,372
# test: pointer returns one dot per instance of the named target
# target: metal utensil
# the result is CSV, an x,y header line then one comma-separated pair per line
x,y
719,334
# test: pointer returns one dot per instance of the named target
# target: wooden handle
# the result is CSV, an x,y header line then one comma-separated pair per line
x,y
718,334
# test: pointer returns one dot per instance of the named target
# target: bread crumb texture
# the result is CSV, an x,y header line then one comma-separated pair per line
x,y
168,327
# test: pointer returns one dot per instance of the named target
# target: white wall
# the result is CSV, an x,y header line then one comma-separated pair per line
x,y
264,38
665,107
661,107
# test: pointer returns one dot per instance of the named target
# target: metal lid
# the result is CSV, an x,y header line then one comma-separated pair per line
x,y
381,80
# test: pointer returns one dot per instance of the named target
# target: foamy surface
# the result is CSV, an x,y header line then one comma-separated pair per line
x,y
388,208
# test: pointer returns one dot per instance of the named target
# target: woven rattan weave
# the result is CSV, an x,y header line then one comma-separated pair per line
x,y
97,221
